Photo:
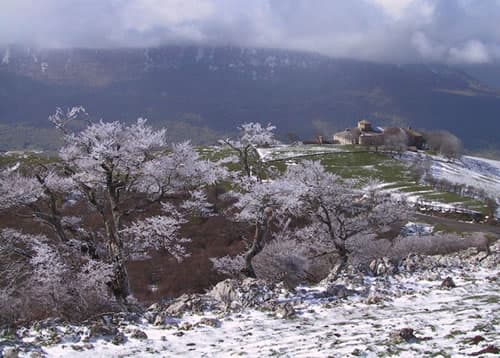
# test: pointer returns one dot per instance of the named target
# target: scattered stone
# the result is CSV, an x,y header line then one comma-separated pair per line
x,y
212,322
119,339
225,292
490,349
250,292
285,311
405,334
186,326
158,320
179,334
138,334
179,306
195,303
77,347
10,353
339,291
476,339
448,283
99,329
357,352
382,267
373,299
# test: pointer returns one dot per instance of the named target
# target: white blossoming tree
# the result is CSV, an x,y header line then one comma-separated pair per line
x,y
252,135
39,276
264,204
333,210
339,209
123,173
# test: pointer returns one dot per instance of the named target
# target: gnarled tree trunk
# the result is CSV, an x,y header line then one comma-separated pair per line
x,y
259,240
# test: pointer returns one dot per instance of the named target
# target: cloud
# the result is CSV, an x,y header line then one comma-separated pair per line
x,y
451,31
472,52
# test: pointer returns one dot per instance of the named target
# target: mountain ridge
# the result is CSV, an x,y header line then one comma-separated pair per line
x,y
221,87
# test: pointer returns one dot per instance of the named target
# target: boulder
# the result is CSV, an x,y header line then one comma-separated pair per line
x,y
119,339
99,329
448,283
383,267
194,303
138,334
226,292
211,322
339,291
285,311
404,335
10,353
250,292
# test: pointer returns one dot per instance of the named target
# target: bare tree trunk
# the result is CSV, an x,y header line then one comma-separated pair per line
x,y
245,162
120,285
261,233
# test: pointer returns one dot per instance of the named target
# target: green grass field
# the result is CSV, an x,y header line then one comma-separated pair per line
x,y
353,162
348,162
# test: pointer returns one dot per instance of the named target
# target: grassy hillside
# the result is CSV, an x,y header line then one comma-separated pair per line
x,y
393,174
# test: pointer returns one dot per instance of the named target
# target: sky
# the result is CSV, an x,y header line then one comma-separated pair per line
x,y
443,31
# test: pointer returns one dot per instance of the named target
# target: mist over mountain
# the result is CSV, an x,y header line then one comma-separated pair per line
x,y
217,88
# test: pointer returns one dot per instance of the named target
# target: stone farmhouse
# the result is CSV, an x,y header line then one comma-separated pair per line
x,y
365,134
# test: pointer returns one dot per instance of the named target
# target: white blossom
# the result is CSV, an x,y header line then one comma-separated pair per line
x,y
155,233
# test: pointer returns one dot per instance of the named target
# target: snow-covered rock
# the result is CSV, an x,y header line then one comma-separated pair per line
x,y
404,314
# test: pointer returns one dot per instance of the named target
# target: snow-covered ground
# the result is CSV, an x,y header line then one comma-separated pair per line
x,y
473,171
480,173
293,151
443,322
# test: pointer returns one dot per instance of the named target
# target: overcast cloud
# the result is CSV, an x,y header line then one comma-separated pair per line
x,y
452,31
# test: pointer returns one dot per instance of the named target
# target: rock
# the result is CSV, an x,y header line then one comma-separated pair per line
x,y
155,307
118,339
195,303
448,283
10,353
285,311
382,267
186,326
77,347
212,322
476,340
179,306
404,334
138,334
225,292
339,291
36,355
158,320
490,349
250,292
373,299
99,329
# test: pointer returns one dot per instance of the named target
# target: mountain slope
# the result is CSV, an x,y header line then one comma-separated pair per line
x,y
224,86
